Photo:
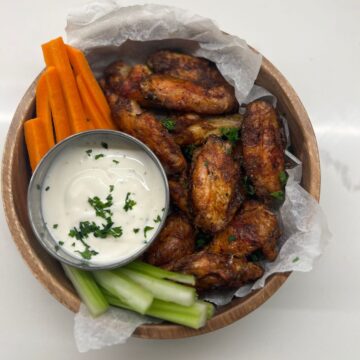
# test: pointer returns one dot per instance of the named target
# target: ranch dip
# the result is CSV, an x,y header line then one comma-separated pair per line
x,y
102,202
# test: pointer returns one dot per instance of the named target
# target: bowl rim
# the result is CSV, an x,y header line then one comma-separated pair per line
x,y
33,191
228,314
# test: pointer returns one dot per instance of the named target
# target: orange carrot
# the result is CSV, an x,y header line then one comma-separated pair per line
x,y
43,109
90,107
81,67
57,103
36,140
55,54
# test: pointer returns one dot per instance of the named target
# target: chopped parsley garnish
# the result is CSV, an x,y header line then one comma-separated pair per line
x,y
169,124
55,226
136,230
98,156
296,259
283,177
38,187
115,161
206,163
249,188
102,209
278,195
104,145
61,243
87,227
157,219
201,240
87,253
73,244
163,209
231,238
88,152
57,247
231,134
47,188
129,203
146,229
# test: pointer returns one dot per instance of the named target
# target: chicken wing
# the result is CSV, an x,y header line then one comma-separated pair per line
x,y
183,95
253,227
179,192
115,74
175,241
131,119
125,81
217,270
201,130
214,188
183,121
263,152
186,67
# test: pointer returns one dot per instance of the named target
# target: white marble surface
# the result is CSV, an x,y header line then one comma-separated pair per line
x,y
314,315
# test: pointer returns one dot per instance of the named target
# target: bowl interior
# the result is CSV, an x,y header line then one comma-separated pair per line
x,y
16,174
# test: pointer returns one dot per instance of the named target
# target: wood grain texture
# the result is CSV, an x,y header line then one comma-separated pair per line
x,y
16,175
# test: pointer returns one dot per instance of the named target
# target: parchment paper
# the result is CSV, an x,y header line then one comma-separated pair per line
x,y
107,31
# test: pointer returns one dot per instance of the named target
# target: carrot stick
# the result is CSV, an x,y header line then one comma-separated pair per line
x,y
57,103
43,109
91,125
81,67
90,107
55,55
36,140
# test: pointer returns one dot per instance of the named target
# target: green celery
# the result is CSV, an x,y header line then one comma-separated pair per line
x,y
122,287
192,316
160,288
87,289
160,273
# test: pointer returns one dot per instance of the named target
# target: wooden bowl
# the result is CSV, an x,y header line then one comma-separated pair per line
x,y
16,175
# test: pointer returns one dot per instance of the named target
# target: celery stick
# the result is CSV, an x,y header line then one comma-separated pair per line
x,y
181,318
210,308
125,289
192,316
160,273
87,289
161,289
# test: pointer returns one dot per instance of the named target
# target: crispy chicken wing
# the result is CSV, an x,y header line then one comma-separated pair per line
x,y
263,151
186,67
214,188
217,270
175,241
183,121
179,192
125,80
131,119
253,227
183,95
201,130
115,74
